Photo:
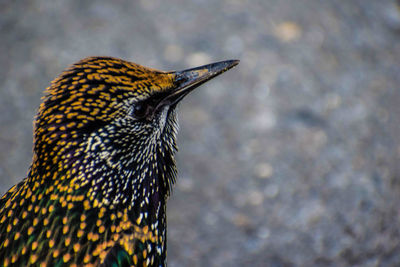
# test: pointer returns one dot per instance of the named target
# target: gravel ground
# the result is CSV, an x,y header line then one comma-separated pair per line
x,y
290,159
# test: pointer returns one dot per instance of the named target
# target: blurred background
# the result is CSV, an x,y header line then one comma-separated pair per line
x,y
290,159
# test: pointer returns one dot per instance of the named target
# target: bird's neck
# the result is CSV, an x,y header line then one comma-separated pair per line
x,y
139,179
136,186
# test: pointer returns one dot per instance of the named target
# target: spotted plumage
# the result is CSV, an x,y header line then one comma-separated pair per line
x,y
102,170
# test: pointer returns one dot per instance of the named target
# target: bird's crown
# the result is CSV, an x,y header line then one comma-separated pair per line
x,y
94,89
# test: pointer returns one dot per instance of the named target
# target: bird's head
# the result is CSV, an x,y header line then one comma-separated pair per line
x,y
105,119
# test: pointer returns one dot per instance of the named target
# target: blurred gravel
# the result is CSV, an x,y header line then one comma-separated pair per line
x,y
290,159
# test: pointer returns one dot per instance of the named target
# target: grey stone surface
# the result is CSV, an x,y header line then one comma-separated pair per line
x,y
291,159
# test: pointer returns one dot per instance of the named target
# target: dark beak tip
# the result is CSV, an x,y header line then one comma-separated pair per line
x,y
217,68
233,62
224,65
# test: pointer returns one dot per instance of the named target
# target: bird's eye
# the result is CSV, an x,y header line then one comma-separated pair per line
x,y
140,110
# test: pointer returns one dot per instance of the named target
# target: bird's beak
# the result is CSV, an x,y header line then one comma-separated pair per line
x,y
187,80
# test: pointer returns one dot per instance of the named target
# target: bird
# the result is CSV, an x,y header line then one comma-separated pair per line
x,y
103,167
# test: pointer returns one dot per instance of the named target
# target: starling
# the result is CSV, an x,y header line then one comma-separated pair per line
x,y
102,169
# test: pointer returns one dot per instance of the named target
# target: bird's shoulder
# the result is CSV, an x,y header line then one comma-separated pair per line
x,y
9,194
